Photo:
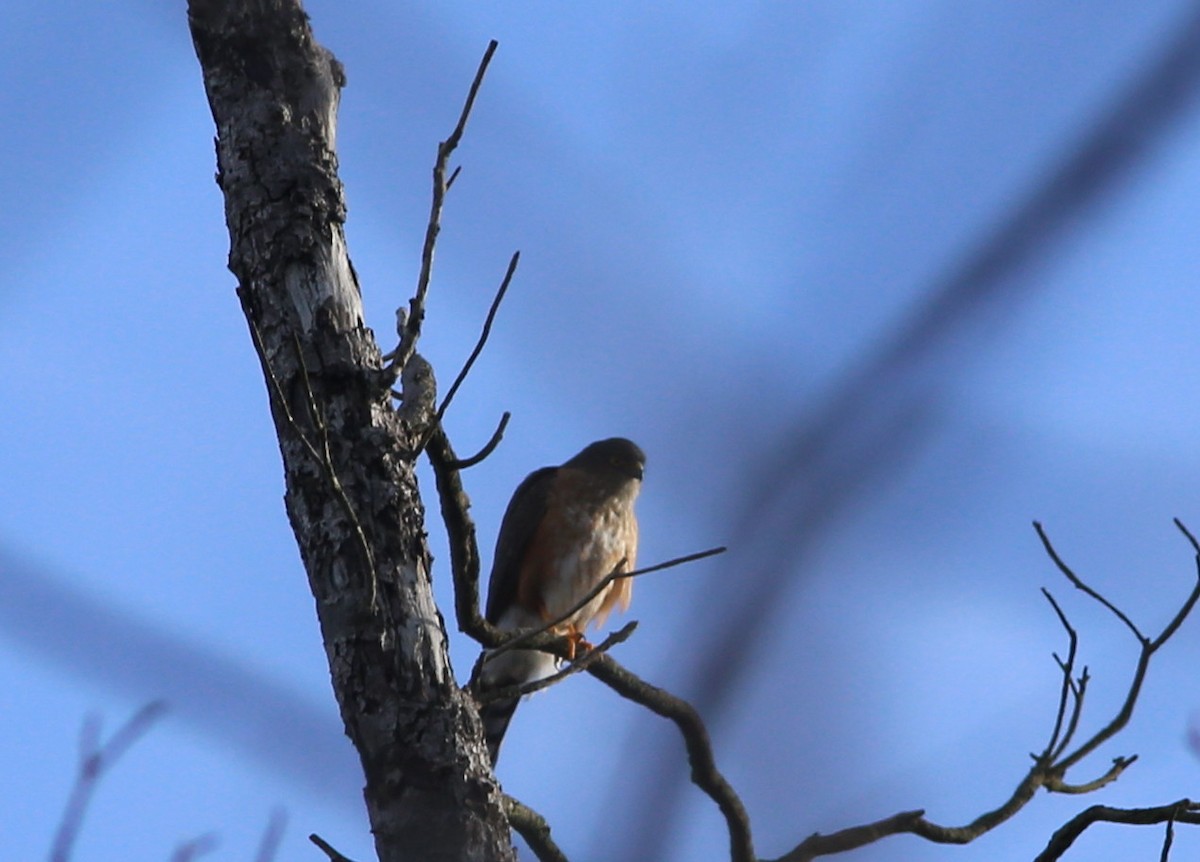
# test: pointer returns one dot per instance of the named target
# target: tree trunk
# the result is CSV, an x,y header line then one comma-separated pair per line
x,y
348,455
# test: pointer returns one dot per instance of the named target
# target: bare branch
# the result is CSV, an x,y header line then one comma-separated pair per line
x,y
1050,767
534,829
416,315
488,448
1149,647
1183,811
333,854
94,762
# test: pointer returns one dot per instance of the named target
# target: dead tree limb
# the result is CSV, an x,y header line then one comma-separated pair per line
x,y
348,454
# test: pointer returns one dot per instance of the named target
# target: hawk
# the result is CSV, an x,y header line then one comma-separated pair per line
x,y
564,530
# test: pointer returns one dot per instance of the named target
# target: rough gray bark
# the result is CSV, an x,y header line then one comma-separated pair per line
x,y
348,455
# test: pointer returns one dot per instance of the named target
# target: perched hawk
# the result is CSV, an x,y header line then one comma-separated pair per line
x,y
564,530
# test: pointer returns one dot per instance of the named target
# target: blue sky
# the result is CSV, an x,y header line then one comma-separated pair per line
x,y
873,284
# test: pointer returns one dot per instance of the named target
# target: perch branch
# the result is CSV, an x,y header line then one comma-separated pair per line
x,y
525,636
1080,585
580,663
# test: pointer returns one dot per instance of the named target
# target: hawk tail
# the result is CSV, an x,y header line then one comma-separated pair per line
x,y
495,716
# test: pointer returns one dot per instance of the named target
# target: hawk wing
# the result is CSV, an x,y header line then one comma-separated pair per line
x,y
521,519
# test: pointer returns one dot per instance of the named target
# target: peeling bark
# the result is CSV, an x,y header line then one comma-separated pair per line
x,y
352,497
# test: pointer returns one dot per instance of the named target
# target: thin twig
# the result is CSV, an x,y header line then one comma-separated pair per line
x,y
1169,837
1080,585
416,316
488,448
94,761
1079,690
534,829
272,837
1068,670
333,854
1178,619
483,335
195,848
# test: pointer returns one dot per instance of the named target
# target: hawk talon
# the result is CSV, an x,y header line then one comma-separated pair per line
x,y
575,639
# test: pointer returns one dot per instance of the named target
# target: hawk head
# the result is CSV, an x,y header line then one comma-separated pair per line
x,y
615,459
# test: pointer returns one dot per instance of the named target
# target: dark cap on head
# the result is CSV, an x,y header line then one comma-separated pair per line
x,y
615,453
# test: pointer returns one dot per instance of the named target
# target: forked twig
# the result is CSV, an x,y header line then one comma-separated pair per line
x,y
436,421
1051,766
95,760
